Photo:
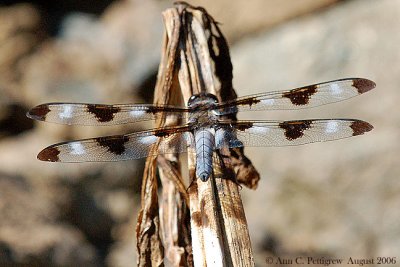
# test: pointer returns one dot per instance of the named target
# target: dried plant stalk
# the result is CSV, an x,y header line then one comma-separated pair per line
x,y
150,249
174,210
195,58
149,246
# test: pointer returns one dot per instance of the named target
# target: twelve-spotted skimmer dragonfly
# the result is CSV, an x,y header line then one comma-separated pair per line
x,y
206,129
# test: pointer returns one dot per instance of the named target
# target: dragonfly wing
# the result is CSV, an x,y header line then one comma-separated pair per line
x,y
299,98
100,114
289,133
120,147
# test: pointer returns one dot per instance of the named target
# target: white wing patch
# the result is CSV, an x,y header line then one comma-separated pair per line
x,y
332,127
77,148
259,130
137,113
67,112
268,101
336,89
148,140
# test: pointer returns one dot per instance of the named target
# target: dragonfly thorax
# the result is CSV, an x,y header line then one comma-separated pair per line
x,y
202,108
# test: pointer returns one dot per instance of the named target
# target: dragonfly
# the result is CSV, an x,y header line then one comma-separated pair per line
x,y
206,128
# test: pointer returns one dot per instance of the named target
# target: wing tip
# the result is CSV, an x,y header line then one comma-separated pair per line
x,y
360,127
49,154
38,113
363,85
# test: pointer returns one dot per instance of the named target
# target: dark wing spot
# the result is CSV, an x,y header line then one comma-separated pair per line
x,y
231,106
159,109
162,132
360,127
248,101
49,154
301,96
114,144
295,129
363,85
38,112
242,126
103,113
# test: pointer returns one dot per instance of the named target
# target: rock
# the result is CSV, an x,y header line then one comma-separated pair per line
x,y
13,120
30,233
19,36
98,60
244,18
123,252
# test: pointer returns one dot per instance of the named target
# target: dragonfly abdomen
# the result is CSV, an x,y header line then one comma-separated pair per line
x,y
204,139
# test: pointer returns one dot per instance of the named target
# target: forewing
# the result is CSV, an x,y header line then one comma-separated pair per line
x,y
100,114
120,147
304,97
290,133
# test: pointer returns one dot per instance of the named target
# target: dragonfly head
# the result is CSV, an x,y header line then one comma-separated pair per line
x,y
202,100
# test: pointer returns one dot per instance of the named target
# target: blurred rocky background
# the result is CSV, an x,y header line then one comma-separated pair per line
x,y
337,199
